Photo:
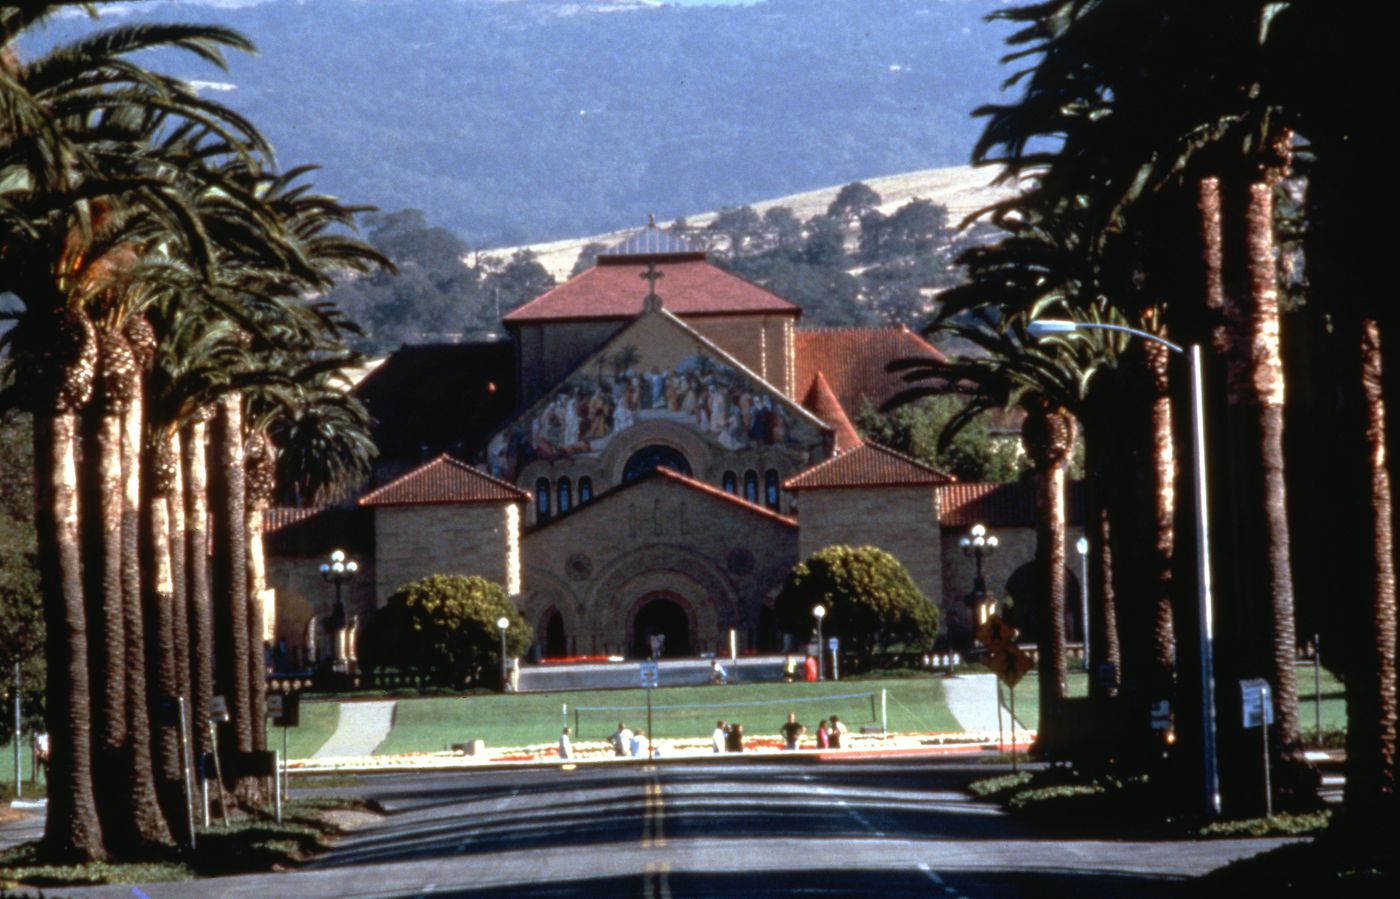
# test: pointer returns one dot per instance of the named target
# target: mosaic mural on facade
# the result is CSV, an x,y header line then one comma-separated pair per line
x,y
629,386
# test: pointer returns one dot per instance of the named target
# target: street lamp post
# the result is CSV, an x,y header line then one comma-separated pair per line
x,y
502,624
1204,602
819,612
1083,546
976,546
337,570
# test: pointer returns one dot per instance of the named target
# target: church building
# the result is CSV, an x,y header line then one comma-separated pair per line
x,y
650,453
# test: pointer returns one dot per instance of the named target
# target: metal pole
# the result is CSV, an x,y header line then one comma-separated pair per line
x,y
1084,602
219,774
286,784
835,667
1317,685
503,659
19,779
650,735
1011,688
1203,579
1264,731
1001,735
185,768
884,719
820,648
277,793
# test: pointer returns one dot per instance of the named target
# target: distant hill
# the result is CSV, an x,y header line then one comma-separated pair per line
x,y
515,122
962,189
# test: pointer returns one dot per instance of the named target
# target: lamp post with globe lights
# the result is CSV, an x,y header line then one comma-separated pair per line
x,y
338,570
503,624
819,612
977,545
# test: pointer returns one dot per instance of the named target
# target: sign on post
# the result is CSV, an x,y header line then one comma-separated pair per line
x,y
218,709
995,634
284,709
1010,664
1258,704
650,674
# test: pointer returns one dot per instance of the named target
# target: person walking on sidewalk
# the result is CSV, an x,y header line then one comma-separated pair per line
x,y
566,746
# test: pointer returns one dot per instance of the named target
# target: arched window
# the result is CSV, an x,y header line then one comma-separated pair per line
x,y
585,490
542,499
566,495
770,489
649,458
751,486
731,483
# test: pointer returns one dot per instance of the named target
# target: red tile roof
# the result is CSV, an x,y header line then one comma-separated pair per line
x,y
868,465
823,403
1004,505
614,288
444,480
854,359
279,517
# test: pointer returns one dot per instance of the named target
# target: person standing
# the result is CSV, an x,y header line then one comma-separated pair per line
x,y
566,746
792,732
639,739
838,733
735,741
718,738
823,736
622,740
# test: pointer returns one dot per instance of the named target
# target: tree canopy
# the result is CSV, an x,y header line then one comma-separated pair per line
x,y
871,601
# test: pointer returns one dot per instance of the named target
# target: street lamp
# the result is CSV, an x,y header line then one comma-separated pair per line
x,y
337,570
1204,602
1083,546
819,612
977,545
502,624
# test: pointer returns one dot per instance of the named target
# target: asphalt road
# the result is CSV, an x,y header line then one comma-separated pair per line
x,y
718,828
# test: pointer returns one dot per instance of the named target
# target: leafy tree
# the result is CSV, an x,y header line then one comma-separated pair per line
x,y
446,624
588,256
853,202
782,229
872,603
739,229
522,278
974,454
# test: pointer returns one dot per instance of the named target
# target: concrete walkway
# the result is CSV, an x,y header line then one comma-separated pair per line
x,y
972,698
362,726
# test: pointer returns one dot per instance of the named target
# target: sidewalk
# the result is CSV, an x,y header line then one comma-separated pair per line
x,y
972,698
362,727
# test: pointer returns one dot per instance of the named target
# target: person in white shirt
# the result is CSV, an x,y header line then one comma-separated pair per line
x,y
718,737
566,746
622,740
638,740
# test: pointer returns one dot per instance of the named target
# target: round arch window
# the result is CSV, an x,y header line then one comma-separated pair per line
x,y
649,458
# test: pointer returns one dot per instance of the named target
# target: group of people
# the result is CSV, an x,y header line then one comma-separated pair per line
x,y
831,733
728,736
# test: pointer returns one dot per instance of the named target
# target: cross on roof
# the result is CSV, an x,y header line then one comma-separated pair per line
x,y
651,276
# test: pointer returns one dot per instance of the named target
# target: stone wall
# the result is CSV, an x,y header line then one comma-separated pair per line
x,y
600,565
414,542
903,521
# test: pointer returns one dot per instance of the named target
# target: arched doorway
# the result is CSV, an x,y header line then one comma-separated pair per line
x,y
555,646
660,614
649,458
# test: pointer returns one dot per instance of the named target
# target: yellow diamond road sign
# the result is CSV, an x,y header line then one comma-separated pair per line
x,y
995,634
1010,664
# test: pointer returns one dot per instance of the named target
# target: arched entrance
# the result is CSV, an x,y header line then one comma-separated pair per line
x,y
555,646
661,614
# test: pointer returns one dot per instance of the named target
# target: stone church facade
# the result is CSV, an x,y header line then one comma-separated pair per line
x,y
651,452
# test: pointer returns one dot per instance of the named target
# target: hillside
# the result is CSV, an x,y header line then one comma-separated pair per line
x,y
516,122
962,189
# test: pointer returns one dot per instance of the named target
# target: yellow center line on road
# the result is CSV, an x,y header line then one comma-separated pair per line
x,y
653,812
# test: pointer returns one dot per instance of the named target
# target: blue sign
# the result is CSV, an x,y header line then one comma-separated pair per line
x,y
1258,702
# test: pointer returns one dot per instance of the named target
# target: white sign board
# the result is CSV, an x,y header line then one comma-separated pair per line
x,y
218,709
274,705
650,674
1258,702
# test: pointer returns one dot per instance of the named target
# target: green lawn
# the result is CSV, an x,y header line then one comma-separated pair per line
x,y
1334,711
7,772
318,721
427,725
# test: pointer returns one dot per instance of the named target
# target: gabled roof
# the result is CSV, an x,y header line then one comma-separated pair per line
x,y
437,397
854,359
444,480
868,465
675,477
615,288
825,406
1003,505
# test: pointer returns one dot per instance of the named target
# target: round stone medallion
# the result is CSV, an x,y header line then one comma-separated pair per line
x,y
579,567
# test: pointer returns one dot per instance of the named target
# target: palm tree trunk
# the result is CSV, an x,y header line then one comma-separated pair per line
x,y
179,587
1371,647
72,831
161,603
147,823
1162,665
1101,458
201,610
1048,435
230,590
260,484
